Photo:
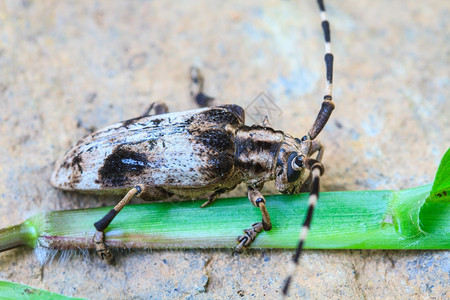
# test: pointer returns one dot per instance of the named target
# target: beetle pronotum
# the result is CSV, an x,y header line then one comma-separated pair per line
x,y
191,153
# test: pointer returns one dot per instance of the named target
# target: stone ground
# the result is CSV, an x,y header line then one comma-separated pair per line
x,y
68,67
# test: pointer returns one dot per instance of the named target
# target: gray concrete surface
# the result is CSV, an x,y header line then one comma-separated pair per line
x,y
67,67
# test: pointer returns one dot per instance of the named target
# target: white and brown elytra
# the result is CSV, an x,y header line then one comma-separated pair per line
x,y
189,154
315,167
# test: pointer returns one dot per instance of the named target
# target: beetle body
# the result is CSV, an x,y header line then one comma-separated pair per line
x,y
191,153
187,154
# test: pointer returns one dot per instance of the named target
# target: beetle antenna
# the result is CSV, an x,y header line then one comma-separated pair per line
x,y
315,166
317,170
327,104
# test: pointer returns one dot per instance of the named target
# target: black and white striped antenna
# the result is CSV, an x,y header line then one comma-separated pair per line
x,y
316,167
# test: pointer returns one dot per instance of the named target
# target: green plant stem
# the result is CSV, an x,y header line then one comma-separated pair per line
x,y
343,220
18,235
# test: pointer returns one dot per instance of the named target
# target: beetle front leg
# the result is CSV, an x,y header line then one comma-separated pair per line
x,y
245,240
257,199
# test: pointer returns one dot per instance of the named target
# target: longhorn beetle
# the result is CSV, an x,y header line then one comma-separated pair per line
x,y
191,153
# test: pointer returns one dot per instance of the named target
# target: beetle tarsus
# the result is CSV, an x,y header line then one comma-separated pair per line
x,y
257,199
101,248
248,237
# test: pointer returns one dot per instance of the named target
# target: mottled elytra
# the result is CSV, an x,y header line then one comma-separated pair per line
x,y
204,151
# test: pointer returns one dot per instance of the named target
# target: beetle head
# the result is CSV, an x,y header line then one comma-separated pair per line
x,y
290,166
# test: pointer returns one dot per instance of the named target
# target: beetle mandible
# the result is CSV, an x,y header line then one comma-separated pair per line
x,y
192,153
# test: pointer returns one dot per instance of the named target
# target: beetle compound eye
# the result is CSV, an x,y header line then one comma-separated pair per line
x,y
298,162
293,171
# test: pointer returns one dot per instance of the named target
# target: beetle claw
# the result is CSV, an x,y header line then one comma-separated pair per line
x,y
100,247
248,237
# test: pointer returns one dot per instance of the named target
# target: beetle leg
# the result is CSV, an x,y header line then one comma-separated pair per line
x,y
102,224
257,199
100,246
216,195
317,170
315,147
212,198
159,108
196,88
245,240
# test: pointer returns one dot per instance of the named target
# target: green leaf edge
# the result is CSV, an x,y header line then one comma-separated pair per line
x,y
13,290
441,186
